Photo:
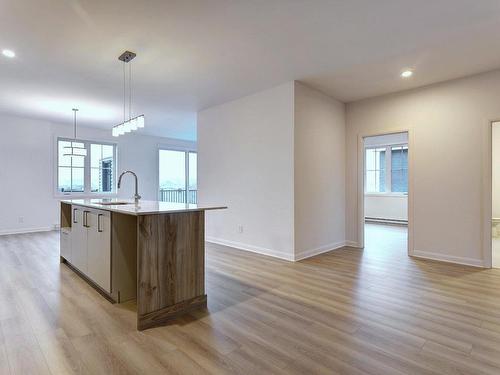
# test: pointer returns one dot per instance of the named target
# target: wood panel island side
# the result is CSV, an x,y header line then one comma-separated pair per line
x,y
153,252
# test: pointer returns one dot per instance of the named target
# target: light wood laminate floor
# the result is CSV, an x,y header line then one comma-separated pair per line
x,y
348,311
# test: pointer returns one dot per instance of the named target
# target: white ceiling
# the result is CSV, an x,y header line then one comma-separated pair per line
x,y
194,54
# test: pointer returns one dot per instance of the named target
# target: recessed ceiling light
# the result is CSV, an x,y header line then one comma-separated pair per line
x,y
8,53
407,73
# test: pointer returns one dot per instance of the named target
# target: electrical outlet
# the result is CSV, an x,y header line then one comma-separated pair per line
x,y
240,228
20,219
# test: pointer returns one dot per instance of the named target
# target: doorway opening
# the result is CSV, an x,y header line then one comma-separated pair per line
x,y
385,194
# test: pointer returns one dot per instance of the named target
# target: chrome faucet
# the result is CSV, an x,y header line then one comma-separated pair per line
x,y
136,196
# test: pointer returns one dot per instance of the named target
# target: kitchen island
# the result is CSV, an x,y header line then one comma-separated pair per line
x,y
153,252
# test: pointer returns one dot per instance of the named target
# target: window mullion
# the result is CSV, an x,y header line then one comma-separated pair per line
x,y
86,169
71,174
114,170
388,169
365,171
186,183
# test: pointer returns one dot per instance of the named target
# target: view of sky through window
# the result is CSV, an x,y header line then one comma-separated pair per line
x,y
178,169
71,170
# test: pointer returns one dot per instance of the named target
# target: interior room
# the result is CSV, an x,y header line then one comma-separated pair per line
x,y
386,193
242,187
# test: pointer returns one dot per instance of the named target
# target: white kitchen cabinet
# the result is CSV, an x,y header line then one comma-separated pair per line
x,y
66,243
91,245
99,248
79,239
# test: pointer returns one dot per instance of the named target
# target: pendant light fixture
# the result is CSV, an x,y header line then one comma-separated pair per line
x,y
77,149
133,123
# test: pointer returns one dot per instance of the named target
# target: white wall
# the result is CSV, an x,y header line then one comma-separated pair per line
x,y
449,125
245,161
386,206
27,154
277,160
319,126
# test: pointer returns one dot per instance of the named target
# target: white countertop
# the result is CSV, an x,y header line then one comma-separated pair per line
x,y
143,208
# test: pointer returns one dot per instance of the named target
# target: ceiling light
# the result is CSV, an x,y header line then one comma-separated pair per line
x,y
407,73
132,123
140,121
77,148
128,126
8,53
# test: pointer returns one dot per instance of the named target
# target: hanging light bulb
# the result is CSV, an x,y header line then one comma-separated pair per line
x,y
126,127
140,121
133,124
76,148
79,151
121,129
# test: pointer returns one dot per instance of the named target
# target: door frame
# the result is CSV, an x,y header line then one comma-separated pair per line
x,y
361,184
487,201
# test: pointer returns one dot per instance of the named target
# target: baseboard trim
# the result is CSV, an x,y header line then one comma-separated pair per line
x,y
319,250
330,247
448,258
278,254
251,248
165,315
352,244
5,232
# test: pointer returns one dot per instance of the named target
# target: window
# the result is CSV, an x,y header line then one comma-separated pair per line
x,y
386,169
193,174
399,169
375,170
101,168
71,170
178,176
94,173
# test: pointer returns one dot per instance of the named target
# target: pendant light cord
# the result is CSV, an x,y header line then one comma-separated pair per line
x,y
127,125
130,91
74,120
124,92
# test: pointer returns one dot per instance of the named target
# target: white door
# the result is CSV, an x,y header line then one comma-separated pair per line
x,y
99,248
79,239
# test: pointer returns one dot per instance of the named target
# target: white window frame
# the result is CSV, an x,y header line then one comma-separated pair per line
x,y
388,170
186,150
374,170
87,193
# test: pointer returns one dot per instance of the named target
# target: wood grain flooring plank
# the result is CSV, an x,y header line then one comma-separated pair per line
x,y
349,311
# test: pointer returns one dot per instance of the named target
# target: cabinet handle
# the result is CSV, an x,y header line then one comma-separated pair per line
x,y
99,223
74,216
86,219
